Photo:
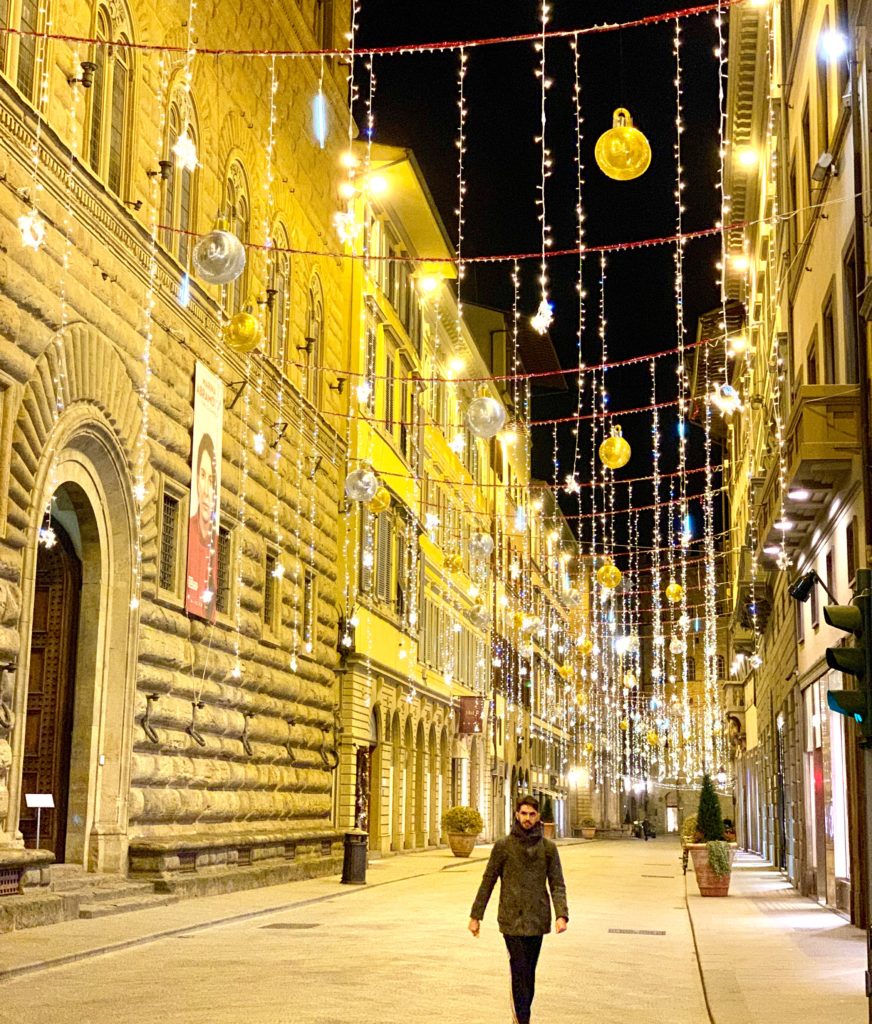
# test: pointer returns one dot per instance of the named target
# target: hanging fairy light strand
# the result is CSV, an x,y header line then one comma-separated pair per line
x,y
31,224
572,478
544,315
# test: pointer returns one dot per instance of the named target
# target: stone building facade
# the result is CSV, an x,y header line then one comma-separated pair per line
x,y
171,745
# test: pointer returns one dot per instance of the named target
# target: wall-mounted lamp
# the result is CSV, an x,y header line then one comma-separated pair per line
x,y
338,385
307,348
87,69
165,170
134,204
801,588
825,165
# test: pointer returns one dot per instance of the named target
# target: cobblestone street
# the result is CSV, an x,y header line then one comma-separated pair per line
x,y
397,950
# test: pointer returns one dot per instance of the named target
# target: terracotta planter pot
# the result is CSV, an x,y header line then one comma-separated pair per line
x,y
588,833
462,843
708,882
549,829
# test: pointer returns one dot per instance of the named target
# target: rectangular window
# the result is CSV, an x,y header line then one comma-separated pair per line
x,y
169,538
807,159
96,134
27,48
389,387
849,318
792,221
222,601
828,332
116,126
811,361
799,612
815,608
831,571
367,550
851,550
185,193
383,557
823,99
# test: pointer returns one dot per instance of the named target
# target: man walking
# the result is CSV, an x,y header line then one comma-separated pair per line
x,y
527,865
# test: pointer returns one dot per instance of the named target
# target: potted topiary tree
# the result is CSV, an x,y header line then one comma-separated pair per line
x,y
463,826
588,828
712,855
549,827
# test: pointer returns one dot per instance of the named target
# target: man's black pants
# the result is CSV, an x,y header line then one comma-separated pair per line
x,y
523,957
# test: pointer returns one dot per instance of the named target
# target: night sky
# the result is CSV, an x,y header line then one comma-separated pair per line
x,y
416,106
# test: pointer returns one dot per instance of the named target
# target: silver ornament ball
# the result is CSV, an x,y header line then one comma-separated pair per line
x,y
361,484
219,257
481,545
485,417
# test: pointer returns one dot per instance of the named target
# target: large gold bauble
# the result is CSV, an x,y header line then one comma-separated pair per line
x,y
586,645
381,501
518,619
624,724
674,592
243,333
615,451
609,575
565,671
653,738
588,747
452,561
623,152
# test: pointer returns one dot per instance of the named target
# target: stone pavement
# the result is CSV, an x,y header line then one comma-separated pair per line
x,y
396,951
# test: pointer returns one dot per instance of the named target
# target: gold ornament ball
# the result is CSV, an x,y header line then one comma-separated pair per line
x,y
452,561
622,152
674,592
586,645
609,575
624,725
243,333
588,747
380,502
518,620
565,671
615,451
653,738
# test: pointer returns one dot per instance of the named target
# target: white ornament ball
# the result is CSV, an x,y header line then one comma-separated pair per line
x,y
676,645
219,257
485,417
481,545
361,484
479,616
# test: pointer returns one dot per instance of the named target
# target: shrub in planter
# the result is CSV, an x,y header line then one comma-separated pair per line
x,y
709,820
688,830
463,824
588,828
719,857
712,856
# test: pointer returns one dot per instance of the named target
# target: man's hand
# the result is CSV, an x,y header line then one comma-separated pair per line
x,y
561,924
474,926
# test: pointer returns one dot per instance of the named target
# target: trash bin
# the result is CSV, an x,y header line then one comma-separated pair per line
x,y
354,858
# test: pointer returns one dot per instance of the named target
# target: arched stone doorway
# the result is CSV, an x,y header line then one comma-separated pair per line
x,y
88,489
374,781
48,729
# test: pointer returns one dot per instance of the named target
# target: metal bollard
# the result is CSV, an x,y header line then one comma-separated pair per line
x,y
354,857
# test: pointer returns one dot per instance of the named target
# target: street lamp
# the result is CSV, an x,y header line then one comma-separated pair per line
x,y
802,586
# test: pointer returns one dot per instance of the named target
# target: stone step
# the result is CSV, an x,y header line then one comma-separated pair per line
x,y
103,892
127,905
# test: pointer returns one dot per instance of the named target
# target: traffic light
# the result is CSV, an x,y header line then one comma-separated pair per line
x,y
855,618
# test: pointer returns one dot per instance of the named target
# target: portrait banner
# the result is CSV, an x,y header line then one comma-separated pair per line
x,y
201,576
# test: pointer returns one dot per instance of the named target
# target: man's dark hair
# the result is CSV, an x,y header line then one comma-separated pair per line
x,y
526,801
206,445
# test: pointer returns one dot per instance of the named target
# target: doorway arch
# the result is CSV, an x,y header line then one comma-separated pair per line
x,y
88,485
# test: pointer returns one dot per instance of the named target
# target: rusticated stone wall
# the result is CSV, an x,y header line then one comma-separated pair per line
x,y
70,411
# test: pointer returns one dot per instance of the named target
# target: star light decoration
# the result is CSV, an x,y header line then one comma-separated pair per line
x,y
185,152
543,317
32,228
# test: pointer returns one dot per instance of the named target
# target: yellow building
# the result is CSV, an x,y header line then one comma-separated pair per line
x,y
427,717
796,348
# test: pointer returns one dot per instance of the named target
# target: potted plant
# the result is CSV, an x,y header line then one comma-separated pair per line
x,y
549,828
588,828
712,855
463,826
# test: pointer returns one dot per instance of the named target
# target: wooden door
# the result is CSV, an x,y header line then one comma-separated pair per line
x,y
48,725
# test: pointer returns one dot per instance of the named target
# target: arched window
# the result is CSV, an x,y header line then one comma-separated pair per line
x,y
280,320
109,105
314,333
239,216
179,191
